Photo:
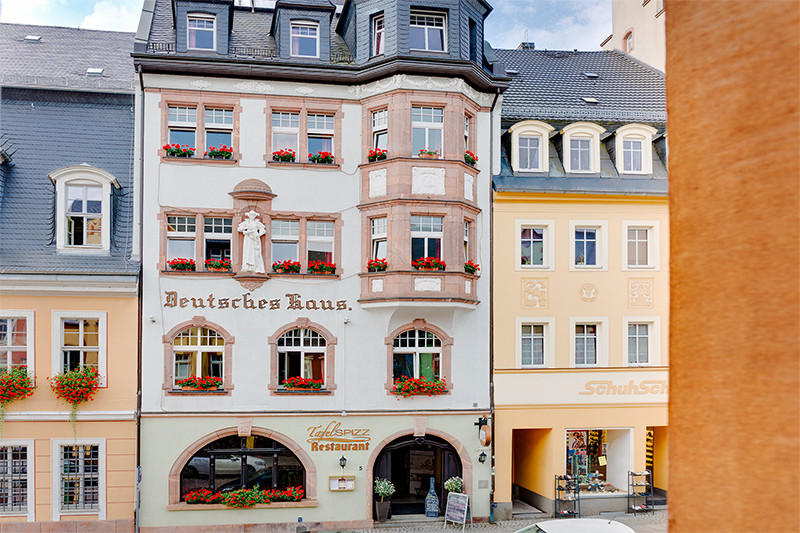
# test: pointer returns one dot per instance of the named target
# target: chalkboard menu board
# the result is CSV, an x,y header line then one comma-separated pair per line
x,y
456,510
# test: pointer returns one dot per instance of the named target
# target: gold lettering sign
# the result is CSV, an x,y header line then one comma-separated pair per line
x,y
335,438
608,387
246,301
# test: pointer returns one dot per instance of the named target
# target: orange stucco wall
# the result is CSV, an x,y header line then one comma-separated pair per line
x,y
733,93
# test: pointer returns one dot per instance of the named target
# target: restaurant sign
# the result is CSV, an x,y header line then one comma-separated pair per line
x,y
335,438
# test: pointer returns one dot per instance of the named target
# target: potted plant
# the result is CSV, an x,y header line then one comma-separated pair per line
x,y
377,155
321,267
218,265
427,153
383,488
325,158
300,383
15,384
405,386
470,158
454,484
178,150
195,383
286,267
471,268
286,155
377,265
76,387
181,263
223,152
428,263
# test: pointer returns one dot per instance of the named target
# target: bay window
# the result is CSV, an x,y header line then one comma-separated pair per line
x,y
377,35
426,129
426,237
427,31
378,230
380,131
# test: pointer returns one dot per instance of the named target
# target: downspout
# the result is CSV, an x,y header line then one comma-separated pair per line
x,y
141,275
491,296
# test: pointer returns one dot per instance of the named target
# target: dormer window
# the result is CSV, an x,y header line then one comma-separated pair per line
x,y
377,36
427,31
200,32
530,146
634,149
582,148
305,39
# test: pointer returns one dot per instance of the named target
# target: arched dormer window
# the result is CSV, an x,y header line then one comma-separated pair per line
x,y
530,146
83,208
633,149
582,148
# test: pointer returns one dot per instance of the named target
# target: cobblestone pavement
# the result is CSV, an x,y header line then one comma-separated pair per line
x,y
641,523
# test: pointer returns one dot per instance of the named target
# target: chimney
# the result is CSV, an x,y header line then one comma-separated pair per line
x,y
527,46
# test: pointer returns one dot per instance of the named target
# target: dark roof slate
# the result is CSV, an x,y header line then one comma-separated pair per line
x,y
550,85
573,185
60,59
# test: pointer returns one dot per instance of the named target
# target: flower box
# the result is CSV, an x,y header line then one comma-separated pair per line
x,y
325,158
406,386
286,155
429,263
470,158
181,263
223,152
298,383
428,154
377,265
202,384
178,150
321,267
377,155
471,268
286,267
218,265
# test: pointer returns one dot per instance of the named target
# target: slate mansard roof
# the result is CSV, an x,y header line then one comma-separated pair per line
x,y
52,119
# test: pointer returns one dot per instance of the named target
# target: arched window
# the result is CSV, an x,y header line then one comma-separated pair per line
x,y
417,353
235,462
530,146
301,353
198,352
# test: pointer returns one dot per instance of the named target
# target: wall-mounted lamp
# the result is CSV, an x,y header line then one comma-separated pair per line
x,y
342,461
482,458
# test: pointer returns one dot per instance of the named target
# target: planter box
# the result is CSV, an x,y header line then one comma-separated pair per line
x,y
300,389
429,156
198,389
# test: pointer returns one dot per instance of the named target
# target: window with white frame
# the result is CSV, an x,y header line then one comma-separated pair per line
x,y
427,31
219,127
305,39
200,32
320,240
529,152
79,339
301,353
534,244
182,124
532,250
380,129
79,472
581,144
426,129
285,240
586,246
640,244
426,237
16,339
533,344
199,352
84,215
580,154
217,233
378,43
417,353
320,133
633,144
638,343
466,132
638,247
530,147
16,478
632,155
466,241
181,231
629,42
285,130
378,230
586,345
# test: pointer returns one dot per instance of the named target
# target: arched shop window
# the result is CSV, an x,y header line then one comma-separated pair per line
x,y
234,462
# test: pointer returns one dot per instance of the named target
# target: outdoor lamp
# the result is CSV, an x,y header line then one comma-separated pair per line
x,y
482,458
342,462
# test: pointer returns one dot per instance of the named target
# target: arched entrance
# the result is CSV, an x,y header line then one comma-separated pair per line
x,y
410,462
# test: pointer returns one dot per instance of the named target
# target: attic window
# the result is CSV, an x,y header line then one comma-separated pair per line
x,y
33,38
590,100
94,71
591,75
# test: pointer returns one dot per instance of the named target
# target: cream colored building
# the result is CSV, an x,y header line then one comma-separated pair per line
x,y
639,29
581,284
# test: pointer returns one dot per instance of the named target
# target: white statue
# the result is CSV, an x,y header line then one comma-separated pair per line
x,y
253,229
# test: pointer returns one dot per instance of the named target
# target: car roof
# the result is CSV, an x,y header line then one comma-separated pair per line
x,y
580,525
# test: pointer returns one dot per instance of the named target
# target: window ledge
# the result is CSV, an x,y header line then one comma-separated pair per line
x,y
301,164
204,160
178,392
228,274
412,396
421,273
183,506
419,160
304,275
303,392
87,250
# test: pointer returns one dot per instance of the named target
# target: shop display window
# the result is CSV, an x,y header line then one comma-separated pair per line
x,y
598,458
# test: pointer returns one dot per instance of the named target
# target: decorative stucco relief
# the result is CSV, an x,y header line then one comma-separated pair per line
x,y
469,183
404,81
377,285
253,87
588,292
426,180
428,284
201,84
534,293
304,90
377,183
640,293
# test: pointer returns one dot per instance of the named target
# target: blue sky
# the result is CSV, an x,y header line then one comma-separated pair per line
x,y
552,24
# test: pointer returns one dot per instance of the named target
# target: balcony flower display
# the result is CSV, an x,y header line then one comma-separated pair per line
x,y
223,152
429,263
427,153
244,498
286,155
178,150
406,386
377,265
470,158
15,384
377,155
300,383
281,267
325,158
471,268
195,383
76,387
321,267
218,265
181,263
